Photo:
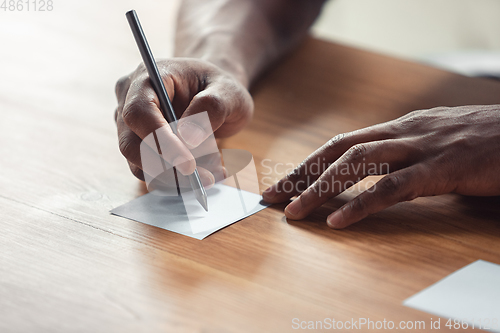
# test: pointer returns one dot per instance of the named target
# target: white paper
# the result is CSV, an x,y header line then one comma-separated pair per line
x,y
471,295
171,212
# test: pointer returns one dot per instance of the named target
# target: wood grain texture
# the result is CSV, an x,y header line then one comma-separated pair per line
x,y
67,265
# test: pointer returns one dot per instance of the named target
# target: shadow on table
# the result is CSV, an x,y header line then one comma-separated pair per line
x,y
446,215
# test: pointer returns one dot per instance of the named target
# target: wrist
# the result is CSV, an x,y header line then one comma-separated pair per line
x,y
226,58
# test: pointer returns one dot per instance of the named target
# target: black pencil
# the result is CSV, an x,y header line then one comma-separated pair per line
x,y
165,105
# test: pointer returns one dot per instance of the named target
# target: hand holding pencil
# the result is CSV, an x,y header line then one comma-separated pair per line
x,y
193,86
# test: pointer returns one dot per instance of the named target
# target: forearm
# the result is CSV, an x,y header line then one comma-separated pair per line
x,y
242,36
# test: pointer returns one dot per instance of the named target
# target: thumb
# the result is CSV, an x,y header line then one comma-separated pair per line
x,y
204,115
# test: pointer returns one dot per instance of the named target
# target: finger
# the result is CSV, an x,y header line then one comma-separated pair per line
x,y
206,177
141,114
129,143
209,166
316,163
220,101
137,154
168,182
373,158
121,89
136,171
402,185
213,163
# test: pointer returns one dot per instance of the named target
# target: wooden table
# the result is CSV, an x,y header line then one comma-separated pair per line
x,y
67,265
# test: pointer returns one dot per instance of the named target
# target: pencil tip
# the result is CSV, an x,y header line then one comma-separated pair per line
x,y
204,203
202,199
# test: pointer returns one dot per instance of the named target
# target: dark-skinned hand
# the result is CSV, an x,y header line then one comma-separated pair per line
x,y
193,86
428,152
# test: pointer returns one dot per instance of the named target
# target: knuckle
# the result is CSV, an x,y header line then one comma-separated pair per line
x,y
419,120
334,142
141,68
463,143
358,204
409,196
412,115
211,102
136,171
357,152
127,147
131,112
409,120
316,187
390,184
243,99
295,179
295,175
121,85
324,187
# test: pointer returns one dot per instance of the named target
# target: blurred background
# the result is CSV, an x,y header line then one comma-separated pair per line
x,y
462,35
459,35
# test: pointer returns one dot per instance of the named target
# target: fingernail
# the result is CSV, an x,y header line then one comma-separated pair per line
x,y
335,219
269,193
295,207
183,165
192,134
